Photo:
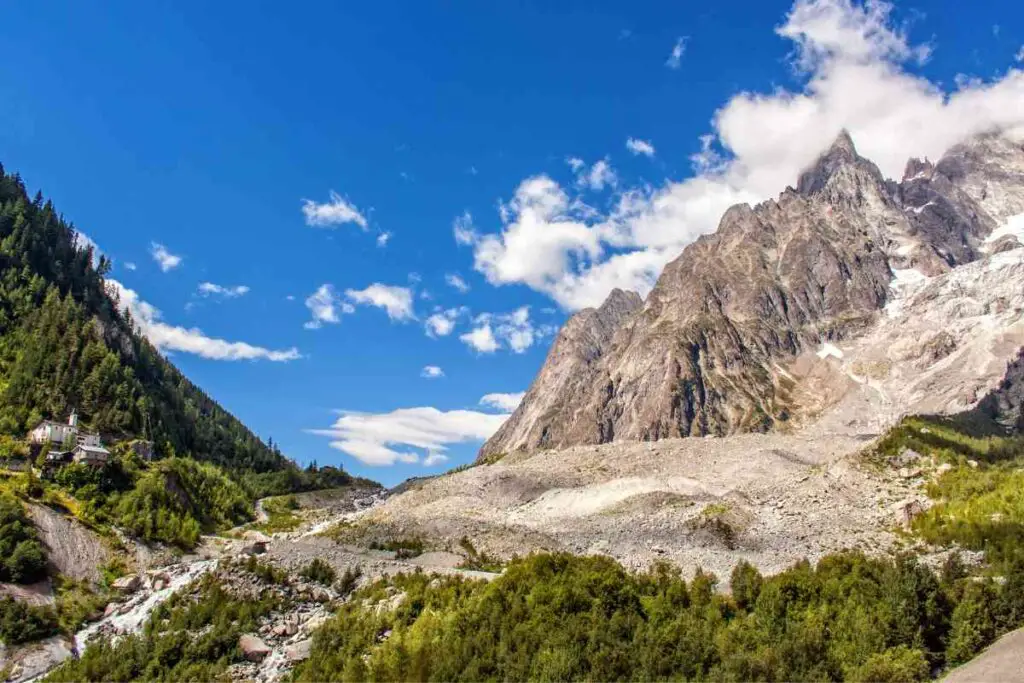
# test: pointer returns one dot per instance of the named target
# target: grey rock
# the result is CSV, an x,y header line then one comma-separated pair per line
x,y
253,648
299,651
127,584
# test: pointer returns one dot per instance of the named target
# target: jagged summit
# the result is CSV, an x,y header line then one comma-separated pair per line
x,y
707,352
841,155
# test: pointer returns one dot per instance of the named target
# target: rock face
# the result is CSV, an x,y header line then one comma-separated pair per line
x,y
707,352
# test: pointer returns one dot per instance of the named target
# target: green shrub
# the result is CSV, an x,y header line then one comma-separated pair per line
x,y
22,558
319,571
23,623
896,665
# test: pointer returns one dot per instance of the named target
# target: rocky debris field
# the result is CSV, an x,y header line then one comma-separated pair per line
x,y
699,502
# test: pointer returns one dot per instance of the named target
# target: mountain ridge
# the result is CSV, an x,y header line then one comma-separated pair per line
x,y
705,353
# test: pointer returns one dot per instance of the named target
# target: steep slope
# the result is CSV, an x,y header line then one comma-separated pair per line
x,y
65,344
570,367
706,353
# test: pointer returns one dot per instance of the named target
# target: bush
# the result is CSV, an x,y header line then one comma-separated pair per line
x,y
22,558
347,582
896,665
23,623
318,571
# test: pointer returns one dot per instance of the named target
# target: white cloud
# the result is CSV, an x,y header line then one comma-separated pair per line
x,y
852,62
441,322
336,211
1020,54
462,228
128,265
506,403
189,340
513,330
431,372
638,147
455,280
165,259
675,57
387,438
434,459
382,239
209,289
481,338
397,301
597,177
325,305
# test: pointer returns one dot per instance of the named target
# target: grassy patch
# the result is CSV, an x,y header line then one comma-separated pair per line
x,y
281,515
403,548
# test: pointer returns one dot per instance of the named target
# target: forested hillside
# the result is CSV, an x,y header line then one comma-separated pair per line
x,y
65,344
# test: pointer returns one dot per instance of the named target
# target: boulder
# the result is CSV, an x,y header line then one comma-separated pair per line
x,y
127,584
253,648
299,651
255,548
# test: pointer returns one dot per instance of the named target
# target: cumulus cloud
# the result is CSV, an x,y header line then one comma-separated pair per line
x,y
128,265
493,331
165,259
1020,54
441,322
675,58
211,289
455,281
432,372
336,211
638,147
403,435
397,301
481,338
506,403
856,72
189,340
383,238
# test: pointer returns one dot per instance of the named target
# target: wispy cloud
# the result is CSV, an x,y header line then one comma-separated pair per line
x,y
397,301
431,372
441,322
506,403
403,435
675,58
128,265
336,211
638,147
189,340
515,331
383,238
455,281
324,305
165,259
211,289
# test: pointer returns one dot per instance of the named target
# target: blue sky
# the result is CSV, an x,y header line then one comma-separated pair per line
x,y
267,149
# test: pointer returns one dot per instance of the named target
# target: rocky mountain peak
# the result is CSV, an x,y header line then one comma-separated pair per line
x,y
712,349
840,155
620,302
917,168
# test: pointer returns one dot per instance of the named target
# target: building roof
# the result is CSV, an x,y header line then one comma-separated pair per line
x,y
51,422
92,449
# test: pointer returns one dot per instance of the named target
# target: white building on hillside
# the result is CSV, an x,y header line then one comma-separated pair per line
x,y
61,433
55,432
